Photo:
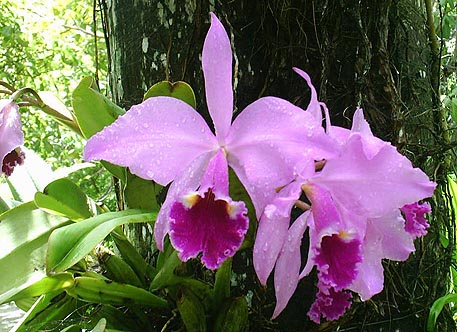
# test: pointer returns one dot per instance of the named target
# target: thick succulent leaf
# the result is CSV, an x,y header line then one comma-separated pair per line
x,y
180,90
140,193
52,284
64,198
24,232
70,244
47,309
93,111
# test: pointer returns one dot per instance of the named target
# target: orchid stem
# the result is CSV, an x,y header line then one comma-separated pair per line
x,y
38,102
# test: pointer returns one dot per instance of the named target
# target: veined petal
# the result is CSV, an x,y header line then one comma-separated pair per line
x,y
11,136
371,144
216,175
287,268
217,70
272,231
314,106
267,140
188,181
385,238
361,184
156,139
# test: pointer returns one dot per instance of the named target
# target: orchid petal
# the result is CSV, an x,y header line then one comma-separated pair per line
x,y
267,140
216,176
361,184
288,265
188,181
416,224
329,303
314,106
371,144
272,231
217,70
11,135
385,238
156,139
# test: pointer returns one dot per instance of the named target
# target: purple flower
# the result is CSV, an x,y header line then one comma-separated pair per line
x,y
166,140
416,224
354,219
11,137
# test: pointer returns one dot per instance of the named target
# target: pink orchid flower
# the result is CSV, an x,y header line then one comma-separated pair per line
x,y
11,136
166,140
354,219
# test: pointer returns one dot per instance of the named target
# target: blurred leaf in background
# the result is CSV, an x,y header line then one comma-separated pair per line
x,y
50,47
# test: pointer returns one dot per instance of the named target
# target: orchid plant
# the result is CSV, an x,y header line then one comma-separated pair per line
x,y
354,219
363,198
166,140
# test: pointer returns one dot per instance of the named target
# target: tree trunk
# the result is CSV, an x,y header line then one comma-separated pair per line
x,y
365,53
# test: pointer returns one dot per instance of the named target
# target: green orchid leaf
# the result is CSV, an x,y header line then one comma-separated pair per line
x,y
64,198
72,328
132,257
57,282
436,309
3,206
24,232
70,244
192,311
180,90
140,193
47,309
97,290
93,111
100,327
233,316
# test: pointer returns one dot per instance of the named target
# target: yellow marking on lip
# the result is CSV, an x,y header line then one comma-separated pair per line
x,y
346,235
232,210
190,199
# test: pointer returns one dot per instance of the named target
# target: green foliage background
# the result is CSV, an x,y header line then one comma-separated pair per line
x,y
50,47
